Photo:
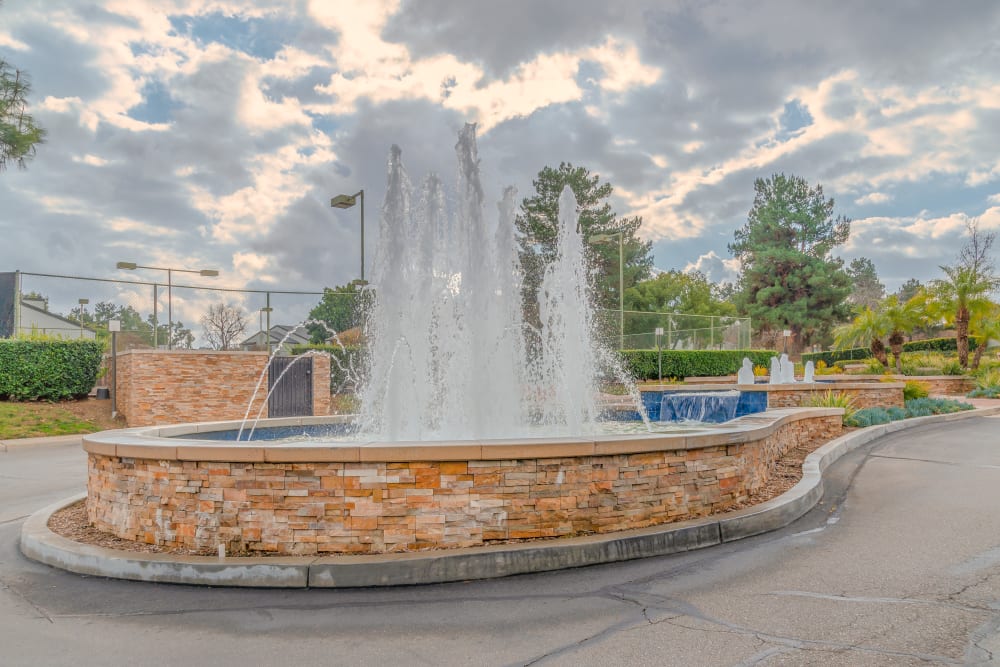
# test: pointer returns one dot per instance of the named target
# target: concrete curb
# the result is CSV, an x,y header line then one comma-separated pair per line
x,y
47,441
41,544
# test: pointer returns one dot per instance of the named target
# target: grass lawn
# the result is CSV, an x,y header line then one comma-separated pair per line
x,y
32,419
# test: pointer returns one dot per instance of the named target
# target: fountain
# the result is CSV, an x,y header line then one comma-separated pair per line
x,y
448,357
467,435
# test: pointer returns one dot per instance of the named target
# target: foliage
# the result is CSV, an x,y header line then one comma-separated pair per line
x,y
916,407
341,309
48,369
346,364
537,225
761,371
132,323
223,324
985,392
952,368
869,327
861,353
789,279
909,289
679,364
965,288
867,291
988,379
18,133
832,399
681,297
915,389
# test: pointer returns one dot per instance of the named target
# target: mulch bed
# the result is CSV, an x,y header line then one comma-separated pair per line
x,y
71,522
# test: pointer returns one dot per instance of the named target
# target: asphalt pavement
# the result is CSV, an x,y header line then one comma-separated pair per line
x,y
899,564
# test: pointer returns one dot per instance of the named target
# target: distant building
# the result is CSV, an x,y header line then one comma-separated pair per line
x,y
278,333
31,315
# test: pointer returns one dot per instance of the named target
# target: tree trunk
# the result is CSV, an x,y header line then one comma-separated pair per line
x,y
896,344
878,351
978,356
962,336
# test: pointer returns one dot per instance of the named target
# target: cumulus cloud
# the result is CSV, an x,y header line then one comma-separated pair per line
x,y
214,132
716,269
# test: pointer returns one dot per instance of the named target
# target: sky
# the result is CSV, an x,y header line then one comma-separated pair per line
x,y
213,133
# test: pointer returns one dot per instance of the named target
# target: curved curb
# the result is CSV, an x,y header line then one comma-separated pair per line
x,y
39,543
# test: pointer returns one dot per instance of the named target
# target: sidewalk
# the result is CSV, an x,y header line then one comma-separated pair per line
x,y
48,441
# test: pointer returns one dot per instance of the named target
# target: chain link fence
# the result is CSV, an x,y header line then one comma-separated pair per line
x,y
152,314
635,330
158,315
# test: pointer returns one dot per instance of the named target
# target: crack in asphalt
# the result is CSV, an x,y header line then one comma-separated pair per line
x,y
959,464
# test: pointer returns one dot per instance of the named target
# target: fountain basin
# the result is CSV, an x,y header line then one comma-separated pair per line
x,y
172,487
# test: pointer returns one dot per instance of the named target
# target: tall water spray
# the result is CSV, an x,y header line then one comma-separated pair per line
x,y
447,351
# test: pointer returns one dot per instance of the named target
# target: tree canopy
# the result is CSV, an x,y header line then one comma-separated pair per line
x,y
340,309
866,289
789,279
537,224
18,132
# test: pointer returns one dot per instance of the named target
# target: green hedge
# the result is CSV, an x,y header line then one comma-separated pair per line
x,y
346,363
679,364
48,369
830,357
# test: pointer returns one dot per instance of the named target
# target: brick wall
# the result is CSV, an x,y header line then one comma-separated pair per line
x,y
330,507
177,386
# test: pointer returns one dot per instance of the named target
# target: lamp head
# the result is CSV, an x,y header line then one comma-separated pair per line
x,y
211,273
343,201
126,265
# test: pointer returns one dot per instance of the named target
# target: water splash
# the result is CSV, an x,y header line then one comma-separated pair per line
x,y
447,355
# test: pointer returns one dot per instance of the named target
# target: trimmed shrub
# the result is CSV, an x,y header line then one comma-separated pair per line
x,y
831,357
346,364
50,370
681,364
938,345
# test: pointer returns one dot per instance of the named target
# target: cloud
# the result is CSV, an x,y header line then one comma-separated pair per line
x,y
873,198
715,268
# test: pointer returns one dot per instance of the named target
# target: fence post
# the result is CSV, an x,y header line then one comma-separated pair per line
x,y
17,303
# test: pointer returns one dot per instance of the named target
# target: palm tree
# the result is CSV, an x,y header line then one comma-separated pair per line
x,y
866,329
985,326
902,319
964,290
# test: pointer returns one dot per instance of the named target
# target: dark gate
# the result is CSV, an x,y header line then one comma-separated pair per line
x,y
293,395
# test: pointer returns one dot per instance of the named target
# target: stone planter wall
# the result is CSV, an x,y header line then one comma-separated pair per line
x,y
370,499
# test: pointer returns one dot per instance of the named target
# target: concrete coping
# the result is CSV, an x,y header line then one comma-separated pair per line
x,y
164,443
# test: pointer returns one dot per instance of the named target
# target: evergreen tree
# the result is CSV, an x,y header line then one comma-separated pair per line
x,y
18,133
789,279
537,224
867,291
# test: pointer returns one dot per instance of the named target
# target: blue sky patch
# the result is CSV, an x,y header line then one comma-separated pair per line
x,y
157,104
260,38
795,117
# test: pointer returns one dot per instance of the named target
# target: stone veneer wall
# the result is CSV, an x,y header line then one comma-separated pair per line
x,y
324,508
869,395
172,386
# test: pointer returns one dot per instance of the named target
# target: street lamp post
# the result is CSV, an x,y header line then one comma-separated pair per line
x,y
604,238
83,303
347,201
131,266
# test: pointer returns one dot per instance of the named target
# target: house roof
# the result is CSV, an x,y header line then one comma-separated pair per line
x,y
73,323
278,332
